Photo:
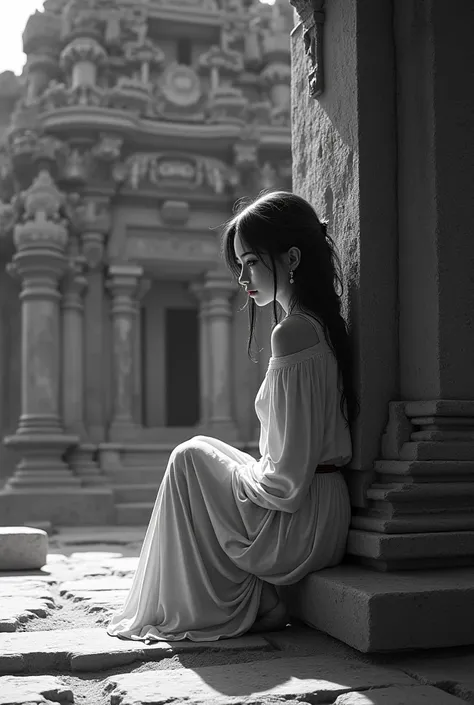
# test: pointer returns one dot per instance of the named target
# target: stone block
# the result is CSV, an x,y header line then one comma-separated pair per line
x,y
22,548
400,695
310,678
373,611
94,649
16,690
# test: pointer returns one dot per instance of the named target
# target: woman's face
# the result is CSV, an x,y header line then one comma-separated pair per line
x,y
258,278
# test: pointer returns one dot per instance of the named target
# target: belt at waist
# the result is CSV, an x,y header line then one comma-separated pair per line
x,y
327,468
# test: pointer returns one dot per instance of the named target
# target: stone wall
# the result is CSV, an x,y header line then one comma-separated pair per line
x,y
344,163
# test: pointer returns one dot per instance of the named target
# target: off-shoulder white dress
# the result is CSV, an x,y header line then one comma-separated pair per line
x,y
223,521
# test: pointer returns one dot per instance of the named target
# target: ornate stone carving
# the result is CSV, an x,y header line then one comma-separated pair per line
x,y
143,55
173,168
312,15
42,215
94,225
58,96
82,49
169,247
130,94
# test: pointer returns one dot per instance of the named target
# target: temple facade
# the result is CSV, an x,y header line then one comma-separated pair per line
x,y
133,130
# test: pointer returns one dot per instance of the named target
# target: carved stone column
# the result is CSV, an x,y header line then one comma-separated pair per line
x,y
219,289
95,228
81,457
73,287
40,263
123,284
143,288
197,288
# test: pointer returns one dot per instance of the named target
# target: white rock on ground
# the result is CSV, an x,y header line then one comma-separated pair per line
x,y
33,689
22,548
321,679
22,599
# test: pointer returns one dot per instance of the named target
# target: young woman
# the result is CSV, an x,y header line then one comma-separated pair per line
x,y
227,528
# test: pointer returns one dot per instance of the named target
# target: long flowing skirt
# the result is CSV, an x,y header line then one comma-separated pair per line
x,y
208,548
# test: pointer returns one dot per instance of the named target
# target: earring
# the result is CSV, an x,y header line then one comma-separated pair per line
x,y
292,281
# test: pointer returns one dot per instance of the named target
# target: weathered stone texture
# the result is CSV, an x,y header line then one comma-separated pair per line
x,y
22,599
22,548
344,163
95,650
33,690
318,677
399,695
455,672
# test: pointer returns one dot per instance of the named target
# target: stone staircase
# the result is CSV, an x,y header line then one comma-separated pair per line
x,y
135,472
135,493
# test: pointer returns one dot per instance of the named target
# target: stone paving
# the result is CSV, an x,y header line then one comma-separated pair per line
x,y
54,647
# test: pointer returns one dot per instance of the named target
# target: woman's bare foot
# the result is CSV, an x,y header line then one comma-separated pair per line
x,y
273,621
268,599
272,614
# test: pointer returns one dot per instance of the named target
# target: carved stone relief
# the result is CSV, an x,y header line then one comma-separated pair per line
x,y
312,15
166,246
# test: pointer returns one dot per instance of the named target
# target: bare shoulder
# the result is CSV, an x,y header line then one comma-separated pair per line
x,y
293,334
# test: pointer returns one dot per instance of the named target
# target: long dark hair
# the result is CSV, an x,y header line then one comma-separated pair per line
x,y
272,224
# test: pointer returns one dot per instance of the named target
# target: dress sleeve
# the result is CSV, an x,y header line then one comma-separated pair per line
x,y
294,437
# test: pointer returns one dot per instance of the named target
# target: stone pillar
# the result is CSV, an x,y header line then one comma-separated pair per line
x,y
197,288
123,284
81,458
142,290
95,228
73,287
218,289
40,264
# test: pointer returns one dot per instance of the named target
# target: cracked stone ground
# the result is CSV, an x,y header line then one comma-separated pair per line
x,y
54,647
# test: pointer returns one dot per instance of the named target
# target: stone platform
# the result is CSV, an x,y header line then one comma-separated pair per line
x,y
54,646
376,612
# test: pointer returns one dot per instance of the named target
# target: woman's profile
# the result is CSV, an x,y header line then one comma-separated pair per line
x,y
228,529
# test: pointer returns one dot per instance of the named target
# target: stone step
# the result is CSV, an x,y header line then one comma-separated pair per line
x,y
125,493
85,649
313,679
413,609
145,475
133,513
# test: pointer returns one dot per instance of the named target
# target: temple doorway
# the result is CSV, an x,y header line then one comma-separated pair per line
x,y
169,357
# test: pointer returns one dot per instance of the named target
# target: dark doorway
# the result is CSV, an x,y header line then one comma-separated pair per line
x,y
182,367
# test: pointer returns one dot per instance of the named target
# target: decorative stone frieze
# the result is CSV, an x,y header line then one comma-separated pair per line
x,y
312,15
